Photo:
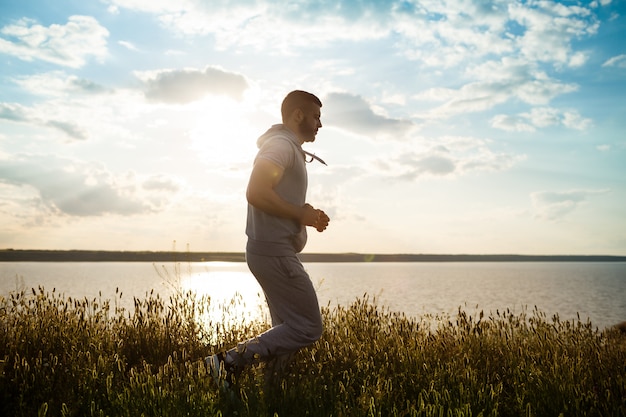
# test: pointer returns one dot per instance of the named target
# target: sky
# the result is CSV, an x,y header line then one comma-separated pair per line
x,y
449,126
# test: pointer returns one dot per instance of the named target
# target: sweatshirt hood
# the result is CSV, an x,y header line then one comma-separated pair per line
x,y
278,130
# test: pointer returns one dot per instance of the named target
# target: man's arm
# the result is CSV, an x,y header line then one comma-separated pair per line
x,y
260,193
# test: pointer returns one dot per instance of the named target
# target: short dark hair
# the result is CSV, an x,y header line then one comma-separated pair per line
x,y
297,99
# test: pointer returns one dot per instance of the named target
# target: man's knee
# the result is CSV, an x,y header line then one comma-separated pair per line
x,y
314,332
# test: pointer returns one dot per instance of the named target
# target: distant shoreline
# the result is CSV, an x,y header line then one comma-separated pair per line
x,y
20,255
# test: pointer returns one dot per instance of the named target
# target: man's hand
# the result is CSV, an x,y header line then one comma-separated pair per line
x,y
322,221
315,218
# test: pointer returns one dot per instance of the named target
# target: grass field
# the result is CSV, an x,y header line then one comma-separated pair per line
x,y
69,357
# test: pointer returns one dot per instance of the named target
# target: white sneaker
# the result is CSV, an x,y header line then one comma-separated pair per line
x,y
221,372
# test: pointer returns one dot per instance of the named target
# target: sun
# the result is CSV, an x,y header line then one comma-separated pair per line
x,y
223,136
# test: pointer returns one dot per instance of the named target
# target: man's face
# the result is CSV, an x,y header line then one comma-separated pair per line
x,y
310,123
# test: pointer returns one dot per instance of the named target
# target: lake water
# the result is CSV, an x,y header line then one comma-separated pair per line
x,y
592,290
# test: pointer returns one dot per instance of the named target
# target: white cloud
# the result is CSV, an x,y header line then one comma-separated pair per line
x,y
149,6
58,84
541,117
511,123
498,84
573,120
461,32
435,33
395,99
549,29
445,157
353,113
554,205
517,38
73,188
578,59
71,129
263,24
187,85
13,112
68,45
77,109
466,32
20,114
162,182
618,61
128,45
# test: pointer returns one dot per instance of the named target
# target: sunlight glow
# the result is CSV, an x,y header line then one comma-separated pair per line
x,y
220,136
234,295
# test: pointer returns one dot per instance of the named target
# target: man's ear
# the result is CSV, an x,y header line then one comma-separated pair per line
x,y
298,115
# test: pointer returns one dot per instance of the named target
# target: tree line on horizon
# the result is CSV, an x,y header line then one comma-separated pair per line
x,y
36,255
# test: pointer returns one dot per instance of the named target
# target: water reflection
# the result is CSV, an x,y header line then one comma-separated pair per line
x,y
235,296
595,290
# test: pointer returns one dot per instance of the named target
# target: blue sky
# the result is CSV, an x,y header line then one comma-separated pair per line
x,y
449,126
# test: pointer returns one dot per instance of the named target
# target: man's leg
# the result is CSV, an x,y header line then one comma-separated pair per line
x,y
293,304
276,366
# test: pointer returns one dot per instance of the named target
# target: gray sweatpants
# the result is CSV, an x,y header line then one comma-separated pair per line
x,y
293,305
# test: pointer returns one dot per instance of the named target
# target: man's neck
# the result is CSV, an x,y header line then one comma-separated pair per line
x,y
294,130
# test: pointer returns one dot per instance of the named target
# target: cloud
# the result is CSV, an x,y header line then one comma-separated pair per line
x,y
618,61
497,82
188,85
80,109
58,84
448,33
573,120
517,39
353,113
578,59
68,45
603,148
70,129
436,34
549,28
446,157
540,118
20,114
161,183
262,25
13,112
128,45
434,163
81,189
512,123
554,205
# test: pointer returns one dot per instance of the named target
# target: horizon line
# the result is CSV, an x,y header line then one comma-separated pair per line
x,y
89,255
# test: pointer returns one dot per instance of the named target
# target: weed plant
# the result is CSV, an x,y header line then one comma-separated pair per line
x,y
67,357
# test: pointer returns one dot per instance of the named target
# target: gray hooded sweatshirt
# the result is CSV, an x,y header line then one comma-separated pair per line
x,y
276,236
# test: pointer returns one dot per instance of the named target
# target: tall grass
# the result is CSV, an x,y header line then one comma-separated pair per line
x,y
68,357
